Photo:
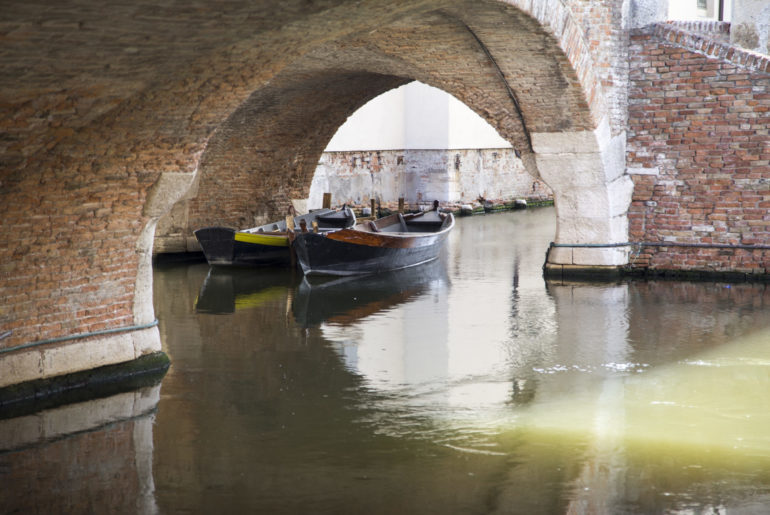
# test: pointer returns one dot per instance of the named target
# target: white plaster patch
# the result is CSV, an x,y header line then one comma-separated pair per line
x,y
577,229
614,256
620,193
167,190
144,311
564,142
560,255
300,206
566,171
146,341
85,355
16,367
618,231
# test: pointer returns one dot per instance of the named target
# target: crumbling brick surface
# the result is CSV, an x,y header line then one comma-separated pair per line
x,y
97,100
699,150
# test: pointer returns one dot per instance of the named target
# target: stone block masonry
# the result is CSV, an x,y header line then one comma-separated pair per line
x,y
699,153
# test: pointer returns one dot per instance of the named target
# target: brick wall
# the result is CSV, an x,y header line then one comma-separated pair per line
x,y
266,153
97,101
698,152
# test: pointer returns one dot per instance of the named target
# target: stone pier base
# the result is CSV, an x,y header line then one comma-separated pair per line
x,y
37,372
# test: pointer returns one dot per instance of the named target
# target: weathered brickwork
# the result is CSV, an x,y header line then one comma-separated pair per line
x,y
420,176
266,153
699,152
102,104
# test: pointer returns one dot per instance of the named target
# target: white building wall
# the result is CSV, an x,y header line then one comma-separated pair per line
x,y
374,126
419,143
689,10
415,117
469,130
426,115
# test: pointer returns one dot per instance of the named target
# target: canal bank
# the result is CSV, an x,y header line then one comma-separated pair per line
x,y
699,263
61,388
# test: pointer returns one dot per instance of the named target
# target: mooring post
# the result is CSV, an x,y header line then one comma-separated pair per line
x,y
327,203
373,206
290,235
401,204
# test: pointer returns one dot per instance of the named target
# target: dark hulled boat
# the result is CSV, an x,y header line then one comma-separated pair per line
x,y
389,243
266,244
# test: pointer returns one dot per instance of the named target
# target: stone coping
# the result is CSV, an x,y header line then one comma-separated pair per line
x,y
685,34
717,28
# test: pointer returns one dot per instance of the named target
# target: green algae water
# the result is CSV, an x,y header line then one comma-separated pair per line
x,y
470,385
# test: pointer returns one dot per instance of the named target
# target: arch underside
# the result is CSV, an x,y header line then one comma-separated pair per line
x,y
495,58
110,120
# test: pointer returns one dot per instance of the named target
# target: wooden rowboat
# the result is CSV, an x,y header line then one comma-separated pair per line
x,y
389,243
266,244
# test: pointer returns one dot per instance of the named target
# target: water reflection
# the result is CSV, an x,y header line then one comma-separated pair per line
x,y
514,395
228,289
471,386
87,457
345,300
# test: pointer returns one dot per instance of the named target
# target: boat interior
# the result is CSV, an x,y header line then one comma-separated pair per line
x,y
424,221
325,220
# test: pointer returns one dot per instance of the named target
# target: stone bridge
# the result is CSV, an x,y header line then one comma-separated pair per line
x,y
653,139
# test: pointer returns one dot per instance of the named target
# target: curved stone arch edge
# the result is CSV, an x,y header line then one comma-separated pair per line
x,y
89,352
586,170
170,188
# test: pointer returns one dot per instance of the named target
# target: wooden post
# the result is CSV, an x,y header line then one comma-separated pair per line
x,y
290,235
327,201
401,204
373,211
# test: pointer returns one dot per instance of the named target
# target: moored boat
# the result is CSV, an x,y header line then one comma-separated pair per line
x,y
266,244
390,243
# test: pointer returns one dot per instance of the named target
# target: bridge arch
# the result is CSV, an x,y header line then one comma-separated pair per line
x,y
496,58
240,100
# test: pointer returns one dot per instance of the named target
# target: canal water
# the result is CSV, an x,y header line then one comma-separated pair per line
x,y
470,385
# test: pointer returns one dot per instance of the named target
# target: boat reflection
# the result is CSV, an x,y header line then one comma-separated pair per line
x,y
342,301
227,290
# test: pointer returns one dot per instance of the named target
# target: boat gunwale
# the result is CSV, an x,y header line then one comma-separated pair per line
x,y
394,239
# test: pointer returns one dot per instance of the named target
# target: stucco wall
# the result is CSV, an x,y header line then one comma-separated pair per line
x,y
414,116
751,25
421,176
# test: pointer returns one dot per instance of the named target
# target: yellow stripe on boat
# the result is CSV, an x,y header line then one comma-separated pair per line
x,y
273,240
